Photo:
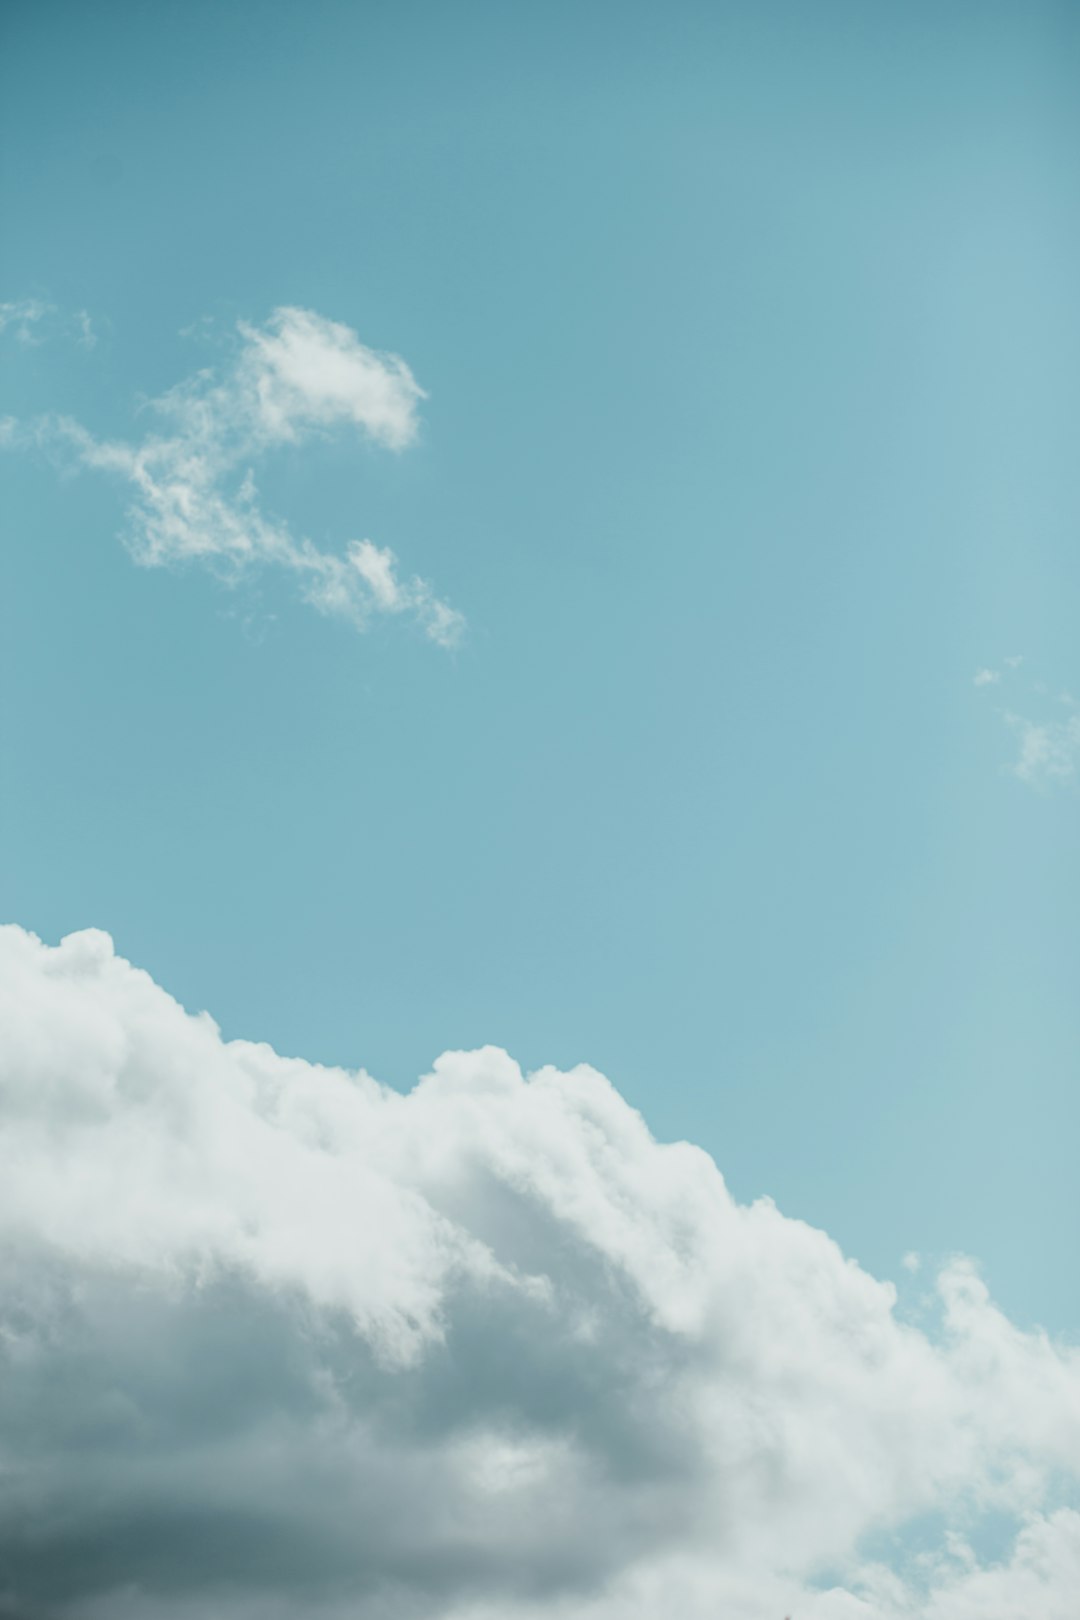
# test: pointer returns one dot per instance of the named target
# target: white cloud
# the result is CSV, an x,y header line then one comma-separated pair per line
x,y
1049,751
193,481
32,320
278,1341
301,371
22,316
84,326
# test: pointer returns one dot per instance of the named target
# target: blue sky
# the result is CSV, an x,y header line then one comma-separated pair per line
x,y
749,337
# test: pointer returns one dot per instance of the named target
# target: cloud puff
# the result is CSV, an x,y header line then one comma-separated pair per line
x,y
278,1341
193,480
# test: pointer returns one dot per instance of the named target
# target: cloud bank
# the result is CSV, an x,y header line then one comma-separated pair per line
x,y
192,480
278,1341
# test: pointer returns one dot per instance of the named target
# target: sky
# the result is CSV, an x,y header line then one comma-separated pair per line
x,y
546,531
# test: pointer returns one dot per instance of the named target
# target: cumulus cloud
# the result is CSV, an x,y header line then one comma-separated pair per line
x,y
194,492
278,1341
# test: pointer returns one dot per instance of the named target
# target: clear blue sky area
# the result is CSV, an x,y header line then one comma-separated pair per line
x,y
751,338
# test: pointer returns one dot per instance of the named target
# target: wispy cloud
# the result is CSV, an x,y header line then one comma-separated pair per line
x,y
21,316
85,329
33,320
1049,749
276,1340
194,491
1048,752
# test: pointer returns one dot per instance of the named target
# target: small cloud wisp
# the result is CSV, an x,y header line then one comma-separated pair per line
x,y
32,320
194,494
1048,753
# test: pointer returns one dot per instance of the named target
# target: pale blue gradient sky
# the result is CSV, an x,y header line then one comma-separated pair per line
x,y
751,338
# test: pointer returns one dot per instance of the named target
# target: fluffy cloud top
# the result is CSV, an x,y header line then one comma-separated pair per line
x,y
301,371
279,1341
194,493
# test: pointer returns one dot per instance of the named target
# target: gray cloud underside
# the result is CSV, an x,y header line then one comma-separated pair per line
x,y
277,1341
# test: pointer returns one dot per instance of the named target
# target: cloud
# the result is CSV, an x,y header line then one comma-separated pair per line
x,y
32,320
279,1341
1048,754
1049,750
21,316
86,335
194,494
